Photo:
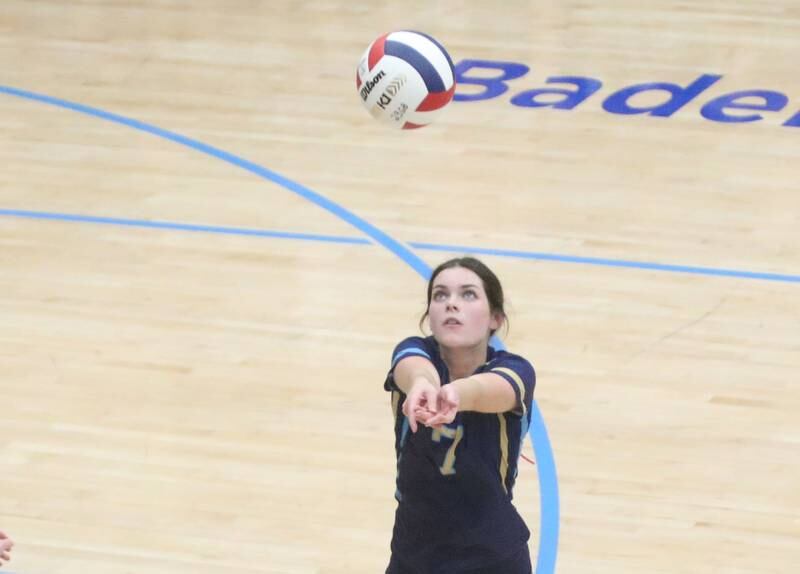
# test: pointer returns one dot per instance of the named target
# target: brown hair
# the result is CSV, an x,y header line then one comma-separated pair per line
x,y
491,284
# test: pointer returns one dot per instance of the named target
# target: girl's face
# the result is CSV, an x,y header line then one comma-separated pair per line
x,y
459,312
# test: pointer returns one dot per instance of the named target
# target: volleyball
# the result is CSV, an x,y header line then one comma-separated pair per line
x,y
405,79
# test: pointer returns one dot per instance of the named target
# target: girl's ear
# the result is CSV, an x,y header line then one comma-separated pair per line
x,y
497,321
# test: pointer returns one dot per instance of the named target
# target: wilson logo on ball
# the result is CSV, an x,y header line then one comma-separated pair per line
x,y
419,65
371,84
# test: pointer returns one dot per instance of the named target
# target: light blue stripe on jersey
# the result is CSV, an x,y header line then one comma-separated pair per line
x,y
410,351
397,494
403,432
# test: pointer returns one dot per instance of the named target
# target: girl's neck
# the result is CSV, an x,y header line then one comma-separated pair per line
x,y
462,362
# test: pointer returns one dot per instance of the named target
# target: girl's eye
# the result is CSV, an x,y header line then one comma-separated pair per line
x,y
470,294
439,296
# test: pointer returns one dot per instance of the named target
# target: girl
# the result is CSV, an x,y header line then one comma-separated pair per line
x,y
462,409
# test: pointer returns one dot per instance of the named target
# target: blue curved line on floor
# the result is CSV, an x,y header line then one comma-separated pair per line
x,y
366,228
548,488
548,535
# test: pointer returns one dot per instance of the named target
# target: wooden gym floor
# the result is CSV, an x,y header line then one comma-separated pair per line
x,y
208,250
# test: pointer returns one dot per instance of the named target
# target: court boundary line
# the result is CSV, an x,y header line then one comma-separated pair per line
x,y
496,252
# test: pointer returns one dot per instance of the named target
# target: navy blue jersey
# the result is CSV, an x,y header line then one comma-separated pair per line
x,y
455,484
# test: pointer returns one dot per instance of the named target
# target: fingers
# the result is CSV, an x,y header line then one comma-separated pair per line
x,y
5,547
410,410
420,414
431,398
423,415
420,404
414,403
432,408
442,417
410,405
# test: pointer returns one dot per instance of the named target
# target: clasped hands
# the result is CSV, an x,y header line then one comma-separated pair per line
x,y
431,406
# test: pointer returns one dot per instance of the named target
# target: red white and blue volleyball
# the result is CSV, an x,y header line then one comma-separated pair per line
x,y
405,79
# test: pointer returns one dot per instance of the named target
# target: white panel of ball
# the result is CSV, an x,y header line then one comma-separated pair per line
x,y
393,89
